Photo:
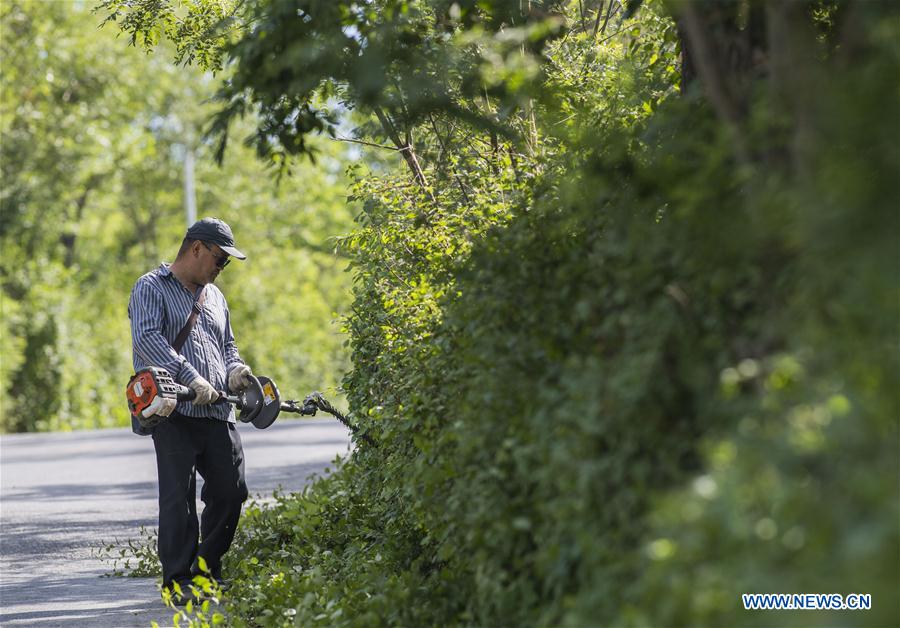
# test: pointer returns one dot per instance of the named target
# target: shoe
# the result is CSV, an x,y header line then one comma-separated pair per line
x,y
181,600
221,582
186,594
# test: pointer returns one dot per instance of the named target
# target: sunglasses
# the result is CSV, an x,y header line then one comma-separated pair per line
x,y
221,262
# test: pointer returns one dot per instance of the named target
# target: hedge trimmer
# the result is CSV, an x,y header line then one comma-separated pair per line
x,y
260,404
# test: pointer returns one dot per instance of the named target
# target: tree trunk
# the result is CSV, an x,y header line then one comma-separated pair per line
x,y
406,150
724,51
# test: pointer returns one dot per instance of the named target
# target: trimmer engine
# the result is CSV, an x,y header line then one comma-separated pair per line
x,y
148,390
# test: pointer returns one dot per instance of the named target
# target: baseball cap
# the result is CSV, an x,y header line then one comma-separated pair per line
x,y
215,231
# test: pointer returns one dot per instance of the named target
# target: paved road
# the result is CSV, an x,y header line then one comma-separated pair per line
x,y
63,496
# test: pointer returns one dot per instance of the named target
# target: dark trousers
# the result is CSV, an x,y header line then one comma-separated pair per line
x,y
184,446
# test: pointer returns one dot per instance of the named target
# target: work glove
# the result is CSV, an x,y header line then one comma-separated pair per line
x,y
161,406
206,394
239,378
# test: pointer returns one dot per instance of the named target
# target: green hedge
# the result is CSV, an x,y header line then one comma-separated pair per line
x,y
624,389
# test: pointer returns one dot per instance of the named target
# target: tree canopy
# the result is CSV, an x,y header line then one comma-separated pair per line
x,y
95,136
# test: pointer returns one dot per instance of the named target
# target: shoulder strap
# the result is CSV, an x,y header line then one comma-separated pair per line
x,y
199,298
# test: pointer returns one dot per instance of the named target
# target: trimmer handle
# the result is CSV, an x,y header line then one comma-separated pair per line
x,y
225,397
186,394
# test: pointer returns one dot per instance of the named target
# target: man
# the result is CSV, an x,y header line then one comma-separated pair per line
x,y
199,435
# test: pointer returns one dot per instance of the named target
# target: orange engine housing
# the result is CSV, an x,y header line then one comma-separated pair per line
x,y
147,384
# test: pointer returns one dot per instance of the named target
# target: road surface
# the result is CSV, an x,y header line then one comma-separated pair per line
x,y
63,496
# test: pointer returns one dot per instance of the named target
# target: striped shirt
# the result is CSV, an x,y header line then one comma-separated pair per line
x,y
158,309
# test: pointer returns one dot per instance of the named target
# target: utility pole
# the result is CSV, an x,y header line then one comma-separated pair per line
x,y
190,201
